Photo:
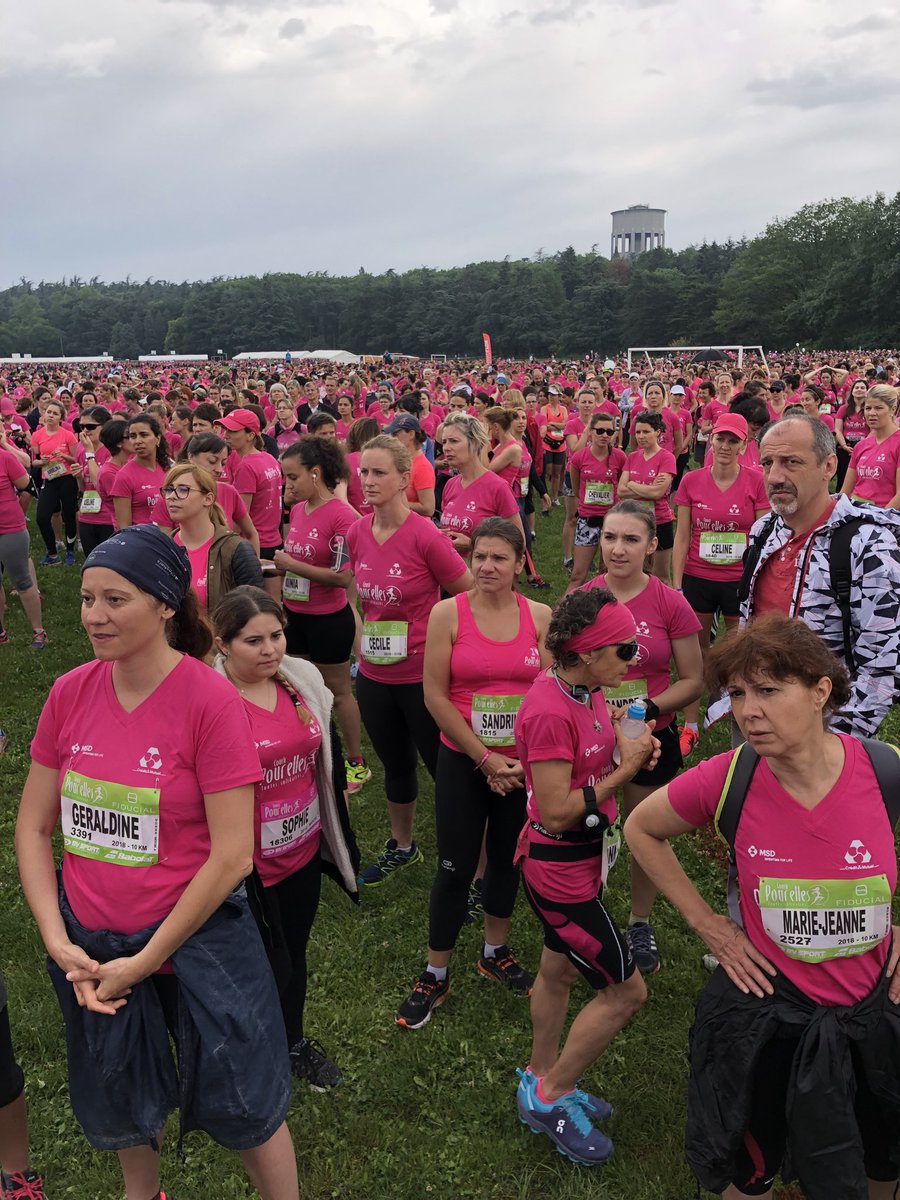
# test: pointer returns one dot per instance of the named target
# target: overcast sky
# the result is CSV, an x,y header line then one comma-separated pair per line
x,y
182,139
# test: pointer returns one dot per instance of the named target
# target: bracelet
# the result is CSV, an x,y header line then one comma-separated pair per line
x,y
487,754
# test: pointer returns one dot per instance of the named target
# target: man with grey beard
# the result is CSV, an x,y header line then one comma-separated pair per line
x,y
789,566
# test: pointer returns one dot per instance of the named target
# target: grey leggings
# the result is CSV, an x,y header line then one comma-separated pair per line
x,y
14,558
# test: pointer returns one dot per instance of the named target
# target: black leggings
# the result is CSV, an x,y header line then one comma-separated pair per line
x,y
843,462
399,725
463,804
295,900
55,495
93,535
12,1081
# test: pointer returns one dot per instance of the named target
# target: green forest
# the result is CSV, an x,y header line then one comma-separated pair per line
x,y
826,277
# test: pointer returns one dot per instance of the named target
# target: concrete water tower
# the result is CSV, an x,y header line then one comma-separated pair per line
x,y
636,230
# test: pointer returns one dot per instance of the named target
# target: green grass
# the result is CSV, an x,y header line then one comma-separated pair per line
x,y
426,1114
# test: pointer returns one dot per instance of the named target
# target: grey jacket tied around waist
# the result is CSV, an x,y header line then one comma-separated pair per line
x,y
232,1060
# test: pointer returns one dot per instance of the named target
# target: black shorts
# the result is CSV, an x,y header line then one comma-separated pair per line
x,y
670,760
554,458
325,638
665,535
712,595
586,934
268,552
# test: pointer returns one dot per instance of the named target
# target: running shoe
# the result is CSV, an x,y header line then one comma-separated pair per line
x,y
4,637
598,1109
310,1062
687,740
475,903
504,968
358,773
50,560
388,861
557,503
39,639
427,994
21,1185
354,669
568,564
643,946
537,581
565,1121
70,558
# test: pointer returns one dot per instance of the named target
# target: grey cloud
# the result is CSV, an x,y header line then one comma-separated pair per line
x,y
814,87
566,12
295,27
441,7
873,23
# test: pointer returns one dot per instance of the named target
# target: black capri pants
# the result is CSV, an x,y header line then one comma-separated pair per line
x,y
464,804
400,728
12,1079
60,494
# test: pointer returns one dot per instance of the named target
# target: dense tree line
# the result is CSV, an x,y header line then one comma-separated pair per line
x,y
828,276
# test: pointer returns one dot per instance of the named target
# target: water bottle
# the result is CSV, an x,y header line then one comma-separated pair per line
x,y
632,725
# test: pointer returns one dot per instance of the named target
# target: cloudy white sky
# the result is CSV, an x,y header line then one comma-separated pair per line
x,y
190,138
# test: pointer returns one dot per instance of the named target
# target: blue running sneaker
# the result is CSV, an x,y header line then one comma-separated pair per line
x,y
598,1109
388,862
565,1121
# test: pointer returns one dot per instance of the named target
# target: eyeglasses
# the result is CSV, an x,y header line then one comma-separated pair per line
x,y
181,490
624,650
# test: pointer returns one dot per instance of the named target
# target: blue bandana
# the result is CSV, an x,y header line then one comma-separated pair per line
x,y
146,557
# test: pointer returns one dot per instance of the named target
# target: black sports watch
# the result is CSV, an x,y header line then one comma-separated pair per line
x,y
651,710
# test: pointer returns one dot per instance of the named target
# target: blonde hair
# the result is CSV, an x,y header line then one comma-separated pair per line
x,y
513,398
204,481
397,451
471,428
884,393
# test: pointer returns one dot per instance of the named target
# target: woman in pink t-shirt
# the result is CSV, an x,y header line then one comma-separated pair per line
x,y
874,470
647,477
594,471
400,562
475,492
850,427
506,449
96,516
815,872
361,431
53,449
409,433
209,451
297,806
135,489
145,757
257,478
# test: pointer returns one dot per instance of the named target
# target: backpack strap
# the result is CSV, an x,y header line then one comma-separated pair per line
x,y
839,569
752,555
744,762
885,760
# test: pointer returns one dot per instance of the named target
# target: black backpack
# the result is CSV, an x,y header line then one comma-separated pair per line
x,y
841,539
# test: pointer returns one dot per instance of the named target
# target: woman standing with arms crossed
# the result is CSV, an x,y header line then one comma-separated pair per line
x,y
320,622
565,739
483,651
595,471
716,509
299,813
647,477
146,759
666,632
400,562
135,488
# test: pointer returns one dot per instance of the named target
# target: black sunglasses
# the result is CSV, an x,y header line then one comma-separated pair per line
x,y
83,426
624,650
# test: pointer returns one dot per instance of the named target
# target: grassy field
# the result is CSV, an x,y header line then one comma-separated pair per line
x,y
426,1114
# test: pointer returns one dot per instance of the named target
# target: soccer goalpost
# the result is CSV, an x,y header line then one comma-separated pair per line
x,y
669,350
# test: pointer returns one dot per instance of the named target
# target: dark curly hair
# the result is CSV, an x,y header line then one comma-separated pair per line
x,y
322,453
574,613
646,417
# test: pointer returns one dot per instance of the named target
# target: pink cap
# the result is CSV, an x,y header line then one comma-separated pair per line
x,y
240,418
732,423
7,408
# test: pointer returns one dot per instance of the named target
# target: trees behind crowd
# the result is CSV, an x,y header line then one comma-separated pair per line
x,y
828,276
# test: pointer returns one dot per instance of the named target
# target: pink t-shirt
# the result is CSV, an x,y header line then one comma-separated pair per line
x,y
550,727
661,615
132,785
318,539
812,882
50,446
354,487
399,583
141,486
575,427
876,464
12,519
486,496
105,479
259,476
286,801
854,426
199,560
713,512
712,411
229,500
685,419
645,470
421,477
598,479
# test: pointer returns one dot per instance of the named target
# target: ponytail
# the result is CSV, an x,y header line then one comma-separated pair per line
x,y
188,630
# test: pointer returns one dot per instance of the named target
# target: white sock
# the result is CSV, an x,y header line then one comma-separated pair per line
x,y
490,950
440,973
404,849
633,920
691,725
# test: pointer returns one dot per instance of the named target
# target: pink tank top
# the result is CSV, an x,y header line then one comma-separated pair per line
x,y
488,679
510,473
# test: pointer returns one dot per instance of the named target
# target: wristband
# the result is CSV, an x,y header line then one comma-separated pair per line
x,y
487,754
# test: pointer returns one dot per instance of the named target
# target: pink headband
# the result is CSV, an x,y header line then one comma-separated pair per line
x,y
613,623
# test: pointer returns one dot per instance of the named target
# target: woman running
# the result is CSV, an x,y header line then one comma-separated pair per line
x,y
666,633
595,471
483,651
647,477
874,470
400,562
716,509
299,813
53,449
135,488
320,621
145,757
565,739
475,492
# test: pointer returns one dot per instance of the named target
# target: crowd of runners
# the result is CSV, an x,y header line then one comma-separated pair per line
x,y
272,560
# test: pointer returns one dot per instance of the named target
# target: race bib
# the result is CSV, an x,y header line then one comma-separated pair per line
x,y
523,485
53,470
90,502
284,824
110,822
817,919
612,844
384,642
295,587
598,493
626,693
722,548
494,719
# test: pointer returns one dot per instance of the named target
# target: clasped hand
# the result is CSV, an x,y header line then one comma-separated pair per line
x,y
99,987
